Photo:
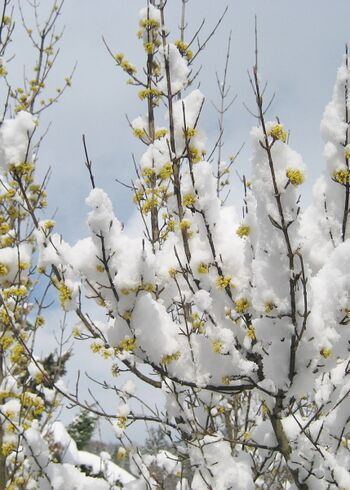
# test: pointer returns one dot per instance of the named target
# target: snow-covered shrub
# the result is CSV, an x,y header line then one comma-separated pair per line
x,y
241,323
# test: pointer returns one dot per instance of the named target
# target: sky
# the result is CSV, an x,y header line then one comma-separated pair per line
x,y
301,44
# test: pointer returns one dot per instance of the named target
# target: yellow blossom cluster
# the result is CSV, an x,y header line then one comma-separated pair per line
x,y
268,307
203,268
217,346
65,294
251,332
152,93
241,305
195,155
184,49
243,231
122,421
128,344
223,282
189,200
198,324
189,133
125,64
295,176
326,352
169,358
166,171
277,132
342,176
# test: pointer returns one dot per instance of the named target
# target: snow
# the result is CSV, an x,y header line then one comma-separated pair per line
x,y
150,12
178,69
220,309
113,474
243,293
15,139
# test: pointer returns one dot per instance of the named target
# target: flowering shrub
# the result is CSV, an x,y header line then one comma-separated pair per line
x,y
242,325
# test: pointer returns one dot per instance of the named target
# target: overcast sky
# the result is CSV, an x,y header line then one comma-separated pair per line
x,y
301,44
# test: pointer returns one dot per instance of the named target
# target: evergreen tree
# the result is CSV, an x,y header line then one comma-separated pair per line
x,y
82,428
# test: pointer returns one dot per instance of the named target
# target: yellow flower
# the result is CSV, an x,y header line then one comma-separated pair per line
x,y
76,332
16,291
127,315
217,346
23,168
202,268
295,176
119,57
34,402
49,224
264,408
172,272
4,317
160,133
96,347
185,224
6,341
149,47
122,421
138,196
189,132
183,48
115,370
23,266
194,154
149,23
223,282
3,269
326,352
17,353
243,231
3,71
188,200
106,353
197,324
139,132
149,204
278,132
149,92
246,436
39,377
7,241
128,67
241,305
168,358
189,55
148,172
166,171
4,228
251,332
268,307
128,344
7,448
181,45
342,176
65,293
121,453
